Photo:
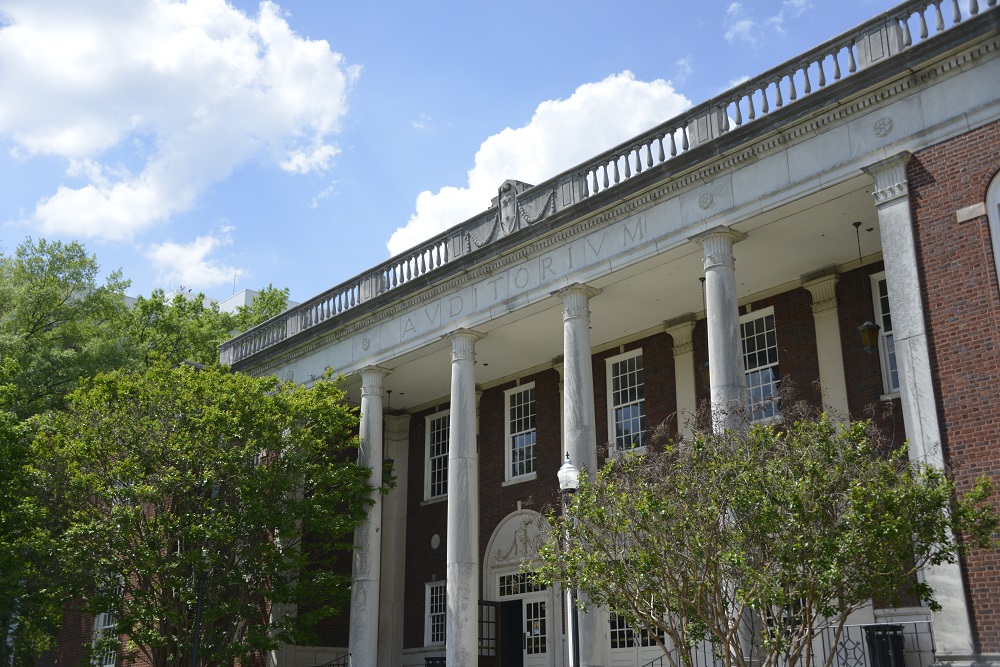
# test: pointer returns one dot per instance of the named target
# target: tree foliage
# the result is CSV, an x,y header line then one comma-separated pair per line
x,y
190,327
747,542
29,605
55,321
177,479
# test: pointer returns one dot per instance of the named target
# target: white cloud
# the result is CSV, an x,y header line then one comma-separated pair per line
x,y
561,133
742,28
789,9
683,70
184,92
738,26
191,265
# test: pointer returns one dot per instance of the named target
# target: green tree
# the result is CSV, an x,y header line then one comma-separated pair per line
x,y
29,607
172,331
190,328
176,481
753,539
54,321
267,303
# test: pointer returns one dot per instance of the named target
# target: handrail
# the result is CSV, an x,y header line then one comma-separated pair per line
x,y
835,59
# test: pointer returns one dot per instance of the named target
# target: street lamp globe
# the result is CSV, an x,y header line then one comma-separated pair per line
x,y
569,476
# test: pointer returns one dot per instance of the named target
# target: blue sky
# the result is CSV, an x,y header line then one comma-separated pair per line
x,y
208,144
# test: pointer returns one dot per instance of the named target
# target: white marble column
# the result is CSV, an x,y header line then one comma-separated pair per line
x,y
363,639
681,330
462,619
390,622
829,352
580,437
952,630
725,349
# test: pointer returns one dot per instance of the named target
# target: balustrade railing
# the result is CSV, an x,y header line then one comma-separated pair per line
x,y
871,42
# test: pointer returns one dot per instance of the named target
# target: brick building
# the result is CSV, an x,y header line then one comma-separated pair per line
x,y
482,357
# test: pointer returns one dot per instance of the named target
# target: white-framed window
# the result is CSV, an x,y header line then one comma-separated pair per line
x,y
436,437
621,634
521,437
434,613
626,402
104,624
886,347
760,363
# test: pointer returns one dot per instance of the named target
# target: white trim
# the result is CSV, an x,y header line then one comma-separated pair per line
x,y
427,455
612,423
427,612
509,477
886,347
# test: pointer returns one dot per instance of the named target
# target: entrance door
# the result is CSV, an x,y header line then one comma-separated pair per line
x,y
526,638
537,643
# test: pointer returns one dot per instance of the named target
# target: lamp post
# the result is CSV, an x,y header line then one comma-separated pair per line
x,y
569,482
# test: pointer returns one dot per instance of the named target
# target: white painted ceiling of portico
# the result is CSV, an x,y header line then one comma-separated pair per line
x,y
783,244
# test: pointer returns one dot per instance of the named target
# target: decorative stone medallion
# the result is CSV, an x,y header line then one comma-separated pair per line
x,y
883,126
366,343
435,541
290,375
705,200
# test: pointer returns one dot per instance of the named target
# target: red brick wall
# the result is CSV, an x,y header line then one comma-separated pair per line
x,y
75,635
496,500
863,370
423,564
796,333
961,296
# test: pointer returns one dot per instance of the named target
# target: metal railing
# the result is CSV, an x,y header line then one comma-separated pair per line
x,y
342,661
908,644
871,42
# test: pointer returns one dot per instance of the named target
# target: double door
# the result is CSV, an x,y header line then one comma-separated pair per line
x,y
525,635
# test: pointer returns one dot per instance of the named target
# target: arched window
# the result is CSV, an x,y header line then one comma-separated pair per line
x,y
993,213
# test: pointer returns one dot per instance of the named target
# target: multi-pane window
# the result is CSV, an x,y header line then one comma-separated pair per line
x,y
104,625
886,347
435,613
535,632
437,456
626,402
760,361
104,628
518,584
620,632
623,636
521,435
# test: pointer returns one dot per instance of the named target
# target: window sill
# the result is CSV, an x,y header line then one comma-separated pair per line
x,y
435,500
520,478
889,397
615,453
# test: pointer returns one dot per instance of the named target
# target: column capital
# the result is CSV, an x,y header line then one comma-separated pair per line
x,y
890,178
576,299
681,330
824,292
718,245
371,380
463,344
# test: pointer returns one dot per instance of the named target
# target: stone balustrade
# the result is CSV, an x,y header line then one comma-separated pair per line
x,y
853,51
